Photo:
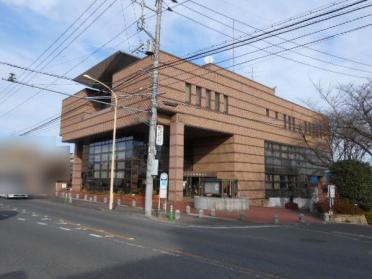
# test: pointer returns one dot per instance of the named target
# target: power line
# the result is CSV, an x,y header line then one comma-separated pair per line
x,y
285,41
269,34
259,29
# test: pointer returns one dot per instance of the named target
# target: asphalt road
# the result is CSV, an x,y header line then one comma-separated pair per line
x,y
48,239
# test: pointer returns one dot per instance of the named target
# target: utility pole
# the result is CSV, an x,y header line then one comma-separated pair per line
x,y
152,128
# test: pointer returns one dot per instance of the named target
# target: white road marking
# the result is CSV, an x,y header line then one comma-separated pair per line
x,y
64,229
34,214
95,235
233,227
45,219
21,219
109,235
41,223
134,245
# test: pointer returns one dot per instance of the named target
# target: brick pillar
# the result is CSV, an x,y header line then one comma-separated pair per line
x,y
176,152
77,167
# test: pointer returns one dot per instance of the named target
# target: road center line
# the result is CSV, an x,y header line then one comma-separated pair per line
x,y
64,229
95,235
21,219
41,223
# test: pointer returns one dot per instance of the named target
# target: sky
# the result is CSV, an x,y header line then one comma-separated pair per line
x,y
29,27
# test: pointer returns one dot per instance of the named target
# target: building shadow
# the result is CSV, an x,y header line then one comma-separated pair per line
x,y
14,275
5,214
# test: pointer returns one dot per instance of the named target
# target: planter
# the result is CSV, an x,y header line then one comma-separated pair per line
x,y
222,204
350,219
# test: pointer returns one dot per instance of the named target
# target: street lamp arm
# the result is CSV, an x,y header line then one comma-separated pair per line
x,y
101,83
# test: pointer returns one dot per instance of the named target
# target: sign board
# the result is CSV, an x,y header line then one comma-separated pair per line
x,y
163,187
159,135
314,180
155,167
331,191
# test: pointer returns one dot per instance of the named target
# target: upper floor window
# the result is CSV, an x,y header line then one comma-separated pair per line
x,y
188,93
285,121
217,100
207,98
267,112
293,123
226,103
198,95
289,122
276,115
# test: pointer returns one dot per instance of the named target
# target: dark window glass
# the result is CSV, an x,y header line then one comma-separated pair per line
x,y
267,112
285,121
188,93
198,96
217,101
208,99
226,103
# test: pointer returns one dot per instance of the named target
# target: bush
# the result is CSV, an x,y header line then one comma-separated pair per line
x,y
369,217
291,205
354,182
340,207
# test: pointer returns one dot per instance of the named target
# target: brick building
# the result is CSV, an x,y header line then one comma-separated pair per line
x,y
225,135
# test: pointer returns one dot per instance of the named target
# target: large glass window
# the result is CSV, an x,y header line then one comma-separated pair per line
x,y
288,170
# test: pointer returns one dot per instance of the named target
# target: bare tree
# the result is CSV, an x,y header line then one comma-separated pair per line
x,y
344,126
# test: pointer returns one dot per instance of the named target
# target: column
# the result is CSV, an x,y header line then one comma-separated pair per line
x,y
77,167
176,154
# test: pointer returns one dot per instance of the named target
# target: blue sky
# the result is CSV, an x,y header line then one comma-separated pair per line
x,y
28,27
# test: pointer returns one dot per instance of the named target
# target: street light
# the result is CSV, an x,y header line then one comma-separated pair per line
x,y
111,200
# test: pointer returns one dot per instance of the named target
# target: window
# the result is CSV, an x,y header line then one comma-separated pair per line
x,y
226,103
207,98
285,121
276,115
293,124
198,96
217,101
187,93
267,112
289,122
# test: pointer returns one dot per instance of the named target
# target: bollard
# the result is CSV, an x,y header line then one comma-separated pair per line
x,y
104,199
119,202
276,218
178,214
65,196
95,198
326,217
165,207
301,218
171,213
188,209
85,197
70,198
90,199
77,196
242,216
134,203
213,212
200,213
56,194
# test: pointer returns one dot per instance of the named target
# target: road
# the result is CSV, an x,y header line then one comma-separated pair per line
x,y
43,238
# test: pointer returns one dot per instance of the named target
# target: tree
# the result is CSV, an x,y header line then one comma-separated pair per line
x,y
354,181
343,129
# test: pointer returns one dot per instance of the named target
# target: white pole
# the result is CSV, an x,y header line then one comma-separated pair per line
x,y
111,197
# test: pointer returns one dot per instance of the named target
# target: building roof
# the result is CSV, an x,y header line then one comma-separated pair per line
x,y
104,70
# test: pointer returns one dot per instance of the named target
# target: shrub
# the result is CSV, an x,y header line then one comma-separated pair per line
x,y
369,217
341,207
291,205
354,182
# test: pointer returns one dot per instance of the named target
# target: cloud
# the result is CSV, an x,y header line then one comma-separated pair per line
x,y
42,7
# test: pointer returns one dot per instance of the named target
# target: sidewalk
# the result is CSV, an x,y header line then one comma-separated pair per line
x,y
255,215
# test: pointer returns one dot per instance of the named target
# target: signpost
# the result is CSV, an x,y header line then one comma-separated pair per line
x,y
163,188
331,197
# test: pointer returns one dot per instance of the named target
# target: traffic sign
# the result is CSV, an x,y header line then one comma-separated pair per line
x,y
159,135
